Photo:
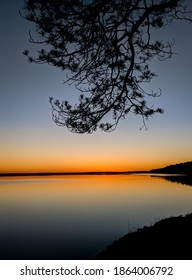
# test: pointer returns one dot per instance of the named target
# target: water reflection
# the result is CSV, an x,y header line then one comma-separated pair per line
x,y
180,179
73,217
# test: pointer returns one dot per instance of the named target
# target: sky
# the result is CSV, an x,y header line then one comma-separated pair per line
x,y
31,142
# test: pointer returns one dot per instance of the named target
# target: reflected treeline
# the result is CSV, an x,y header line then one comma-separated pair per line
x,y
180,179
186,180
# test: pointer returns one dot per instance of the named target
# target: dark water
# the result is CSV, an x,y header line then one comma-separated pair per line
x,y
74,217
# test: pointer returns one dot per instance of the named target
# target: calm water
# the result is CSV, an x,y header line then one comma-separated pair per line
x,y
74,217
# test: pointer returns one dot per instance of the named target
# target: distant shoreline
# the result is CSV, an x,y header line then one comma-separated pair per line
x,y
71,173
181,168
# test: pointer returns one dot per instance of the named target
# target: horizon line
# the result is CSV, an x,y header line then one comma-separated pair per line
x,y
70,173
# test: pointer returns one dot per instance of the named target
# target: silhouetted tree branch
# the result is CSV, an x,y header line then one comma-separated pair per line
x,y
105,46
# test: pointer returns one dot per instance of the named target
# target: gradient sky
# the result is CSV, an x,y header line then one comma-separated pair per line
x,y
31,142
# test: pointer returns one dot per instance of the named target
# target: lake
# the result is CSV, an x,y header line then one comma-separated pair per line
x,y
76,216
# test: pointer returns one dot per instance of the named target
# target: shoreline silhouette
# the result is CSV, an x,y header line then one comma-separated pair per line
x,y
71,173
181,168
167,239
178,169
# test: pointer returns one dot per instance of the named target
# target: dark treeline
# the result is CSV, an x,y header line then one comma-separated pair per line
x,y
181,168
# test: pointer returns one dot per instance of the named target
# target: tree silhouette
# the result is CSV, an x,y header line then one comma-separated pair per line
x,y
105,47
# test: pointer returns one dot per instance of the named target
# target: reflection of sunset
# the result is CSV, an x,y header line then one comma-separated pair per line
x,y
86,188
90,197
83,213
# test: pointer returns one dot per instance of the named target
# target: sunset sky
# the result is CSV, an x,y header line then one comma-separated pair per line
x,y
31,142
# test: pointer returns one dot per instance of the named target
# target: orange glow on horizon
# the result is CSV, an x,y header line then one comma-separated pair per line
x,y
47,167
23,167
30,162
47,158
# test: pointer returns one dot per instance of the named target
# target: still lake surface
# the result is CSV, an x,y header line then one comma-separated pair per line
x,y
74,217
